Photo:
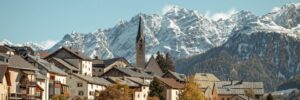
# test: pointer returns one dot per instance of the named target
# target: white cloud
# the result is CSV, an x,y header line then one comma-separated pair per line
x,y
48,43
220,15
167,8
275,9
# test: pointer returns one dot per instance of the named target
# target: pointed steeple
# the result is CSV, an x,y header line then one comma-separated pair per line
x,y
140,34
140,46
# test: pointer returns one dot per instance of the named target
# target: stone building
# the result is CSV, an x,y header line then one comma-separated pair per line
x,y
140,46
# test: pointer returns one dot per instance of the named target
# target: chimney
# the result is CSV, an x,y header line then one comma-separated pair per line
x,y
124,78
37,58
230,82
51,65
144,80
96,57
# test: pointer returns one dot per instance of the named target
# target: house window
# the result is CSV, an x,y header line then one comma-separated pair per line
x,y
79,84
100,70
81,93
91,93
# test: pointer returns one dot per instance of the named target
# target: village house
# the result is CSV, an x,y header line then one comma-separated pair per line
x,y
75,58
4,80
43,86
214,89
6,50
22,51
229,89
142,92
22,78
56,77
178,77
102,66
82,86
172,88
140,87
207,81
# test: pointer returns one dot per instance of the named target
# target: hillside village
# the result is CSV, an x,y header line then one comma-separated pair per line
x,y
29,75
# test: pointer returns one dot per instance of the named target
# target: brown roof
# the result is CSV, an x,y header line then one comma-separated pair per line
x,y
107,62
152,66
206,77
139,81
93,80
4,49
65,64
238,87
123,81
172,83
132,72
75,52
16,61
180,77
48,66
43,54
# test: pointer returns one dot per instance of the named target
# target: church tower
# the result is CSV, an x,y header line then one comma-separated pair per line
x,y
140,46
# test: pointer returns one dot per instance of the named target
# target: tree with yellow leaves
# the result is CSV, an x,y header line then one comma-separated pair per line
x,y
249,93
115,92
191,91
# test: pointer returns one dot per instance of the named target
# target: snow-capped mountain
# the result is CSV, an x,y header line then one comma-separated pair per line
x,y
180,31
244,46
259,48
34,46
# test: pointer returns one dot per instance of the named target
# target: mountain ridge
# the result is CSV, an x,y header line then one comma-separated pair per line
x,y
180,31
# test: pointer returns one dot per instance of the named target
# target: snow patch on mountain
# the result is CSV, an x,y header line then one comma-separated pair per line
x,y
35,46
180,31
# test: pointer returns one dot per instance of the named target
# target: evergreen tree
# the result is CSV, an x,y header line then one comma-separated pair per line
x,y
269,97
191,91
169,62
165,63
161,61
157,89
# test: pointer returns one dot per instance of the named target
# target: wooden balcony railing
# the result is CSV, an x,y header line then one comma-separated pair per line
x,y
21,96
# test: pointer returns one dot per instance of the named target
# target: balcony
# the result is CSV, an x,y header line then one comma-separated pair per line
x,y
21,96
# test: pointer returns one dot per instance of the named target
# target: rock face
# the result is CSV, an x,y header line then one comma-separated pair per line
x,y
263,48
180,31
269,57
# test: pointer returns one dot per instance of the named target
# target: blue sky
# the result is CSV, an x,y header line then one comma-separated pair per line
x,y
40,20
